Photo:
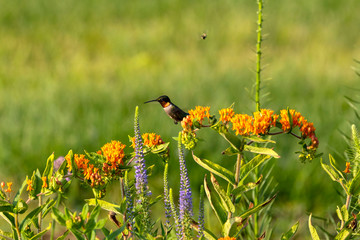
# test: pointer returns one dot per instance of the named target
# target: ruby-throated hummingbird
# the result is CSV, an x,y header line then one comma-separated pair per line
x,y
173,111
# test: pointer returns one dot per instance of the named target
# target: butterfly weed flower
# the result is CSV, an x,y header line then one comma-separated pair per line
x,y
226,114
347,169
9,185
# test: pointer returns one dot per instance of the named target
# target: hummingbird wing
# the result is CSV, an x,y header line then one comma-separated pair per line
x,y
177,114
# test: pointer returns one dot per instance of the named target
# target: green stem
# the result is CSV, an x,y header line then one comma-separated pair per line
x,y
237,170
257,97
40,216
258,53
17,225
53,224
348,200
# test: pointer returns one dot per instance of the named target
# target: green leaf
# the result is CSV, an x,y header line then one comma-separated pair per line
x,y
259,139
261,150
354,188
58,216
343,234
20,207
49,167
100,224
239,219
330,171
313,232
5,206
215,204
225,199
116,233
85,211
95,212
38,235
105,205
251,165
160,148
215,169
207,233
18,193
245,187
9,218
334,165
230,151
289,234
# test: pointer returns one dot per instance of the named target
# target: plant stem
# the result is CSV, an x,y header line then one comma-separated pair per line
x,y
53,221
258,53
257,96
40,216
348,200
237,170
17,225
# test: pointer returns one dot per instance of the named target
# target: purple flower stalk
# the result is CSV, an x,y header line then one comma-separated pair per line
x,y
140,167
185,201
141,182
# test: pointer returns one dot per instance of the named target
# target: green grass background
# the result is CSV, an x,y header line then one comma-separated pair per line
x,y
72,72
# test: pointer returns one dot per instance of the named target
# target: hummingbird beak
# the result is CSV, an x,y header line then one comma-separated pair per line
x,y
151,101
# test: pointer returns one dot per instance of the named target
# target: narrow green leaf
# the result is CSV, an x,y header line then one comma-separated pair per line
x,y
251,165
8,217
259,139
77,234
62,237
95,212
58,216
345,213
18,193
100,224
225,199
343,234
330,171
245,187
105,205
334,165
116,233
49,168
230,151
243,216
289,234
354,188
85,211
234,141
313,232
207,233
42,233
215,169
215,204
261,150
5,206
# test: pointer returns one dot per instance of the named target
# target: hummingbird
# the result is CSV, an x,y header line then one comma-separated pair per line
x,y
173,111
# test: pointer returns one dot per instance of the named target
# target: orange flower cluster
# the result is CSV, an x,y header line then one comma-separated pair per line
x,y
199,113
226,114
114,153
9,185
30,186
97,172
260,123
150,140
347,169
227,238
44,180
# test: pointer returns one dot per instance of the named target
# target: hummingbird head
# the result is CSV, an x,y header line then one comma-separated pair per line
x,y
163,100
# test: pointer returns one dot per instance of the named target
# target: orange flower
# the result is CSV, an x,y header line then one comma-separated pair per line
x,y
30,185
79,159
227,238
226,114
2,184
199,113
114,153
187,123
263,120
242,124
152,139
9,184
347,169
44,185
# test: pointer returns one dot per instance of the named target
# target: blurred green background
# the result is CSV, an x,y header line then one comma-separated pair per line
x,y
72,72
